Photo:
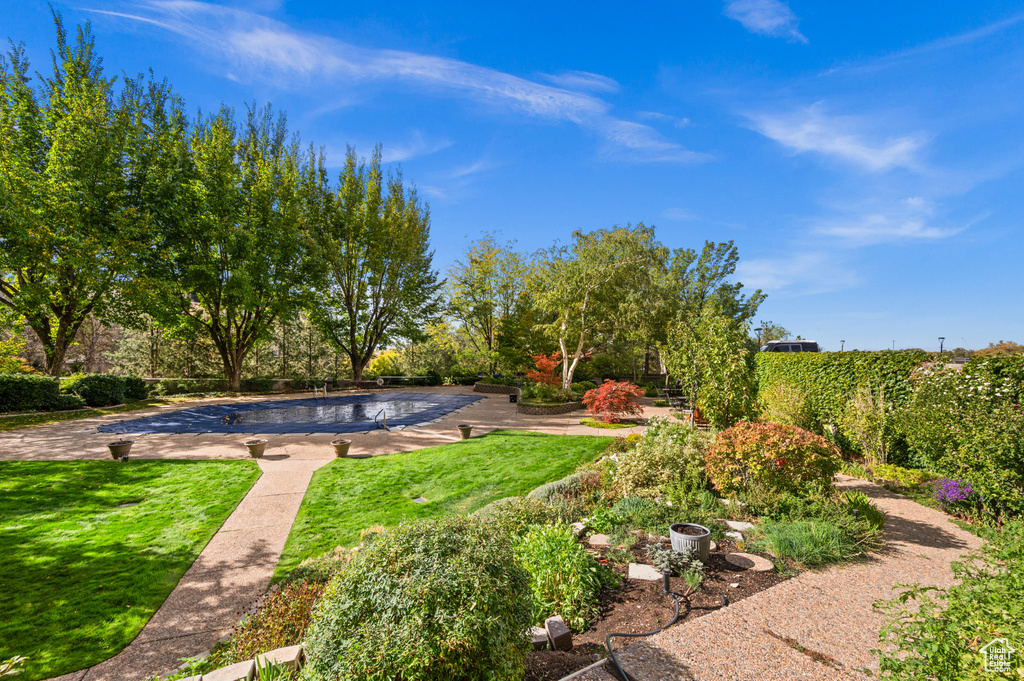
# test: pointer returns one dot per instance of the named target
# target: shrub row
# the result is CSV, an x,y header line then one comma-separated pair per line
x,y
27,392
104,390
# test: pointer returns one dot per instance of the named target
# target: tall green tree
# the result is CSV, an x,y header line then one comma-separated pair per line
x,y
372,281
87,170
584,286
230,262
485,289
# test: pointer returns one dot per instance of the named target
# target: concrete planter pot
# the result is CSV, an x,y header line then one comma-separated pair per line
x,y
691,537
341,447
465,430
119,450
255,447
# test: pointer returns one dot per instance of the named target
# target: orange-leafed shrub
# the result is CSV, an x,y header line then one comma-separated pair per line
x,y
545,372
771,456
614,399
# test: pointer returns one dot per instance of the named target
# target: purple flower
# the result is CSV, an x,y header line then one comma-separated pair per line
x,y
952,491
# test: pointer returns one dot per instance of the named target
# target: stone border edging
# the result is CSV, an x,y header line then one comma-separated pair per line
x,y
547,409
494,388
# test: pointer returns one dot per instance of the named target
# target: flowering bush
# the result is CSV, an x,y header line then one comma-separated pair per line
x,y
613,399
669,456
772,457
545,372
956,496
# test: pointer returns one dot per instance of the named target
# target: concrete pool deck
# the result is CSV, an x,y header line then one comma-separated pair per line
x,y
236,566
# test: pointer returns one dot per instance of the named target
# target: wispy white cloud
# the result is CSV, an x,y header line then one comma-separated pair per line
x,y
261,48
676,121
678,215
911,219
811,129
474,168
766,17
414,147
582,81
797,274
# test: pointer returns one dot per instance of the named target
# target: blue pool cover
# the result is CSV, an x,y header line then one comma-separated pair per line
x,y
341,414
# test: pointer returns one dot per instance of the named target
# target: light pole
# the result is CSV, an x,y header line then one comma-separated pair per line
x,y
942,339
842,344
758,331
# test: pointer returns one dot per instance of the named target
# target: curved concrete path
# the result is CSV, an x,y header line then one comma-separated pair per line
x,y
818,625
238,563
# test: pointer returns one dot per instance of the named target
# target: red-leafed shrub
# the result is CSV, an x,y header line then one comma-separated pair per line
x,y
613,399
546,369
770,456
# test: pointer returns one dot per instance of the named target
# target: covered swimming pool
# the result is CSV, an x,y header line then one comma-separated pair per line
x,y
338,414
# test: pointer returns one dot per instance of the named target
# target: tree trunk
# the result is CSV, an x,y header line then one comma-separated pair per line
x,y
358,364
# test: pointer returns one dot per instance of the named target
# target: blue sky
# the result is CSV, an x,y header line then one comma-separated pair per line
x,y
865,157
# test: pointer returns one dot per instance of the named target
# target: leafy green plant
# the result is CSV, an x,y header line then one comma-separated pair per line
x,y
778,457
135,389
867,422
564,579
66,403
865,508
676,562
273,671
427,599
27,392
786,403
807,543
619,556
933,633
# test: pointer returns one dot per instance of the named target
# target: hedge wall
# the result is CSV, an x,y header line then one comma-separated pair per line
x,y
27,392
829,378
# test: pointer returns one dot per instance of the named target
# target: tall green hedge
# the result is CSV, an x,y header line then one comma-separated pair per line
x,y
27,392
828,379
98,390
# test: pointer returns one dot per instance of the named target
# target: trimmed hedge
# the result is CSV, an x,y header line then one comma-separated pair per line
x,y
135,388
98,390
829,378
27,392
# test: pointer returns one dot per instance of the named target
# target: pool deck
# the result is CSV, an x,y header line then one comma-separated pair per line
x,y
238,563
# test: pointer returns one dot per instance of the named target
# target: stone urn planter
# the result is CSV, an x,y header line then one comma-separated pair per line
x,y
255,447
691,537
119,450
341,447
465,430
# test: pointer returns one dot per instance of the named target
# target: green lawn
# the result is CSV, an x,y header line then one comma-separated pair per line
x,y
348,495
80,573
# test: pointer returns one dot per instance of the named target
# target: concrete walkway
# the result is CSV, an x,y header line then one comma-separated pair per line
x,y
238,563
818,625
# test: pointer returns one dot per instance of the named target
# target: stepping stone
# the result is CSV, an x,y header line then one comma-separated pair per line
x,y
749,561
712,546
558,633
739,525
291,657
539,635
242,671
598,540
420,500
735,536
579,529
647,573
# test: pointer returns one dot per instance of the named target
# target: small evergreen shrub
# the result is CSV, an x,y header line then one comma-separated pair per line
x,y
98,390
513,516
773,456
564,579
135,389
66,403
27,392
667,456
440,598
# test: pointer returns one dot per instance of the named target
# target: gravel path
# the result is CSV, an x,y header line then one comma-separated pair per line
x,y
818,625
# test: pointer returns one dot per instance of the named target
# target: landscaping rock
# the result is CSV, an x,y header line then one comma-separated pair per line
x,y
598,540
241,671
739,525
539,635
579,529
749,561
292,656
713,547
735,536
558,634
646,572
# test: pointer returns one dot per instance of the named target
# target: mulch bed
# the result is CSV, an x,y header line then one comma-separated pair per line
x,y
638,607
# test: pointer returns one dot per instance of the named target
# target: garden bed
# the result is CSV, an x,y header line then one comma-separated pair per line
x,y
638,606
495,389
542,409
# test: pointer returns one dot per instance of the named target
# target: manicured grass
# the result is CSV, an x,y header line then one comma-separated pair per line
x,y
81,572
349,495
598,423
